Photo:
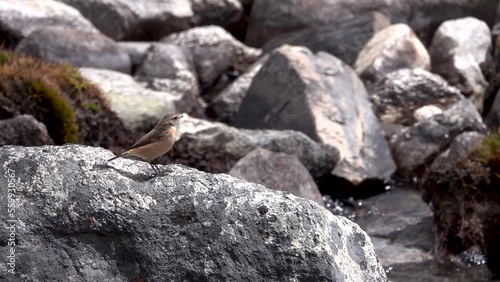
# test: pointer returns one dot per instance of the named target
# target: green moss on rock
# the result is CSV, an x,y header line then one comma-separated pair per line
x,y
72,109
64,118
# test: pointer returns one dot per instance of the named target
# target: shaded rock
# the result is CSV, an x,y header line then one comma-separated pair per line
x,y
393,48
24,130
493,117
416,146
138,107
79,48
215,147
323,98
137,51
277,171
136,20
457,50
270,19
210,64
343,40
216,12
396,98
241,55
18,18
170,68
227,103
459,150
77,218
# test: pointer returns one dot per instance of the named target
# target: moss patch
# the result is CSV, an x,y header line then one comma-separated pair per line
x,y
72,109
465,199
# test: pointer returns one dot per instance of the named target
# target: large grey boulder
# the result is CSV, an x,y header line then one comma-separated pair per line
x,y
138,107
393,48
343,40
136,20
170,69
76,217
323,98
269,19
278,171
77,47
401,94
416,146
18,18
457,50
216,147
24,130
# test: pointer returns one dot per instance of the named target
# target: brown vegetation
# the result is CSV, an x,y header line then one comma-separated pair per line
x,y
72,109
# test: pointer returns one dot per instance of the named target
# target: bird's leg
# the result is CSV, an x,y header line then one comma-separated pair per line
x,y
155,168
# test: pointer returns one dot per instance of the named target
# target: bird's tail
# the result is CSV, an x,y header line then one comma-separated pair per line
x,y
113,158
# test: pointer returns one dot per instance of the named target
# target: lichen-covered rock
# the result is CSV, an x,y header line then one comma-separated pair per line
x,y
398,96
76,217
138,107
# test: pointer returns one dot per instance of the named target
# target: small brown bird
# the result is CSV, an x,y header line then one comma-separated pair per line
x,y
155,143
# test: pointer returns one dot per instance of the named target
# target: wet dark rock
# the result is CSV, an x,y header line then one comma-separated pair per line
x,y
323,98
277,171
77,217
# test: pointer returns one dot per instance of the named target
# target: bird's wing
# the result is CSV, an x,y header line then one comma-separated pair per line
x,y
151,137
